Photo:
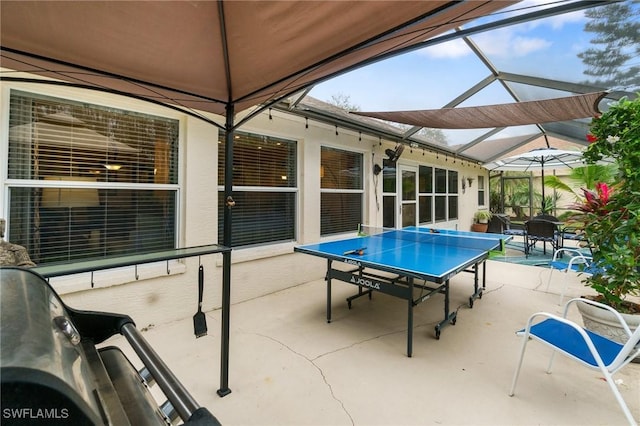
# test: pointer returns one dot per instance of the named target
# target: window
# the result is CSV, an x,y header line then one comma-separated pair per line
x,y
441,197
87,181
264,189
481,191
389,188
438,199
425,198
452,212
341,191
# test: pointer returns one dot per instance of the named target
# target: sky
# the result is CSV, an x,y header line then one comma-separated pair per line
x,y
431,77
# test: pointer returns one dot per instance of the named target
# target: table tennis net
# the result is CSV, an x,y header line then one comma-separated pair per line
x,y
431,236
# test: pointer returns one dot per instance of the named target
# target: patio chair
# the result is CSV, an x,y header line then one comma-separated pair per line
x,y
586,347
509,228
496,225
571,233
548,217
540,230
501,224
576,261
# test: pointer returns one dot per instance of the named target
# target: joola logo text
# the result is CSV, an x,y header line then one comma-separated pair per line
x,y
365,282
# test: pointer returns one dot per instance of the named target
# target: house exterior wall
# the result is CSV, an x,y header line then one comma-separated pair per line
x,y
165,292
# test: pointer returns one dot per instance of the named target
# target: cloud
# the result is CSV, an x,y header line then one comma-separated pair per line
x,y
514,41
504,43
554,22
499,43
451,49
559,21
521,46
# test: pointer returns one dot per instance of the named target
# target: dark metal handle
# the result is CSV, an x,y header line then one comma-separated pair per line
x,y
181,399
200,287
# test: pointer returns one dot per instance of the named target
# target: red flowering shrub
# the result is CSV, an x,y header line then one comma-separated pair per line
x,y
610,217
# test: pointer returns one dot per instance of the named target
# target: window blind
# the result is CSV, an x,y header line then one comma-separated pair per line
x,y
89,181
341,196
264,189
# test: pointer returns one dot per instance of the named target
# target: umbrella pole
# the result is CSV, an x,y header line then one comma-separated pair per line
x,y
543,200
502,192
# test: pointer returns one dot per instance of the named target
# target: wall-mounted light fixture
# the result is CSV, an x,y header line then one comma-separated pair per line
x,y
470,180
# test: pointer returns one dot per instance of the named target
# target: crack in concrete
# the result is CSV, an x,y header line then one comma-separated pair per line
x,y
312,362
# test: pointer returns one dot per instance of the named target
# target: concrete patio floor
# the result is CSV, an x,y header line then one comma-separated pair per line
x,y
288,366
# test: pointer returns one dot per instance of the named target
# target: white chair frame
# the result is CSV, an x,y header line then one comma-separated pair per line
x,y
535,330
577,258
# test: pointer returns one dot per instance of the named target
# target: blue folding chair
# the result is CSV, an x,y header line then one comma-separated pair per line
x,y
586,347
570,259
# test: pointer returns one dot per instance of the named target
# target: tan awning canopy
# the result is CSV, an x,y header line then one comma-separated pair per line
x,y
208,55
501,115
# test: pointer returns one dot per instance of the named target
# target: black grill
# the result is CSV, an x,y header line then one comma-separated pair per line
x,y
52,372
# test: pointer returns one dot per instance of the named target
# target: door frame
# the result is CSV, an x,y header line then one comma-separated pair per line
x,y
401,202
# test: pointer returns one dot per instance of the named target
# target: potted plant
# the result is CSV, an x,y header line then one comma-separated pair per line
x,y
609,217
481,221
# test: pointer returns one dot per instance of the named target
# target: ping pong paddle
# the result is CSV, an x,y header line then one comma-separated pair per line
x,y
359,251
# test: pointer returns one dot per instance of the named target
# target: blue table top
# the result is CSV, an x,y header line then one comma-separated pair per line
x,y
416,251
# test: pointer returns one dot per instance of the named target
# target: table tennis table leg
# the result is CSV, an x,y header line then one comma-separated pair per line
x,y
410,319
476,285
449,317
328,279
484,274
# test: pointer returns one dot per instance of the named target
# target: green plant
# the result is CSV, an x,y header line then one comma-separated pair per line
x,y
517,197
482,216
548,203
610,216
494,201
585,177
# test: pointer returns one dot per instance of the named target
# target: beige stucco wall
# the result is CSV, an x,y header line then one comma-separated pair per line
x,y
157,297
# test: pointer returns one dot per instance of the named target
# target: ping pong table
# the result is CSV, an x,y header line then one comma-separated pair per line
x,y
397,261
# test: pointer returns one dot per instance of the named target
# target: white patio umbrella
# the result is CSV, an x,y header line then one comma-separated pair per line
x,y
539,159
